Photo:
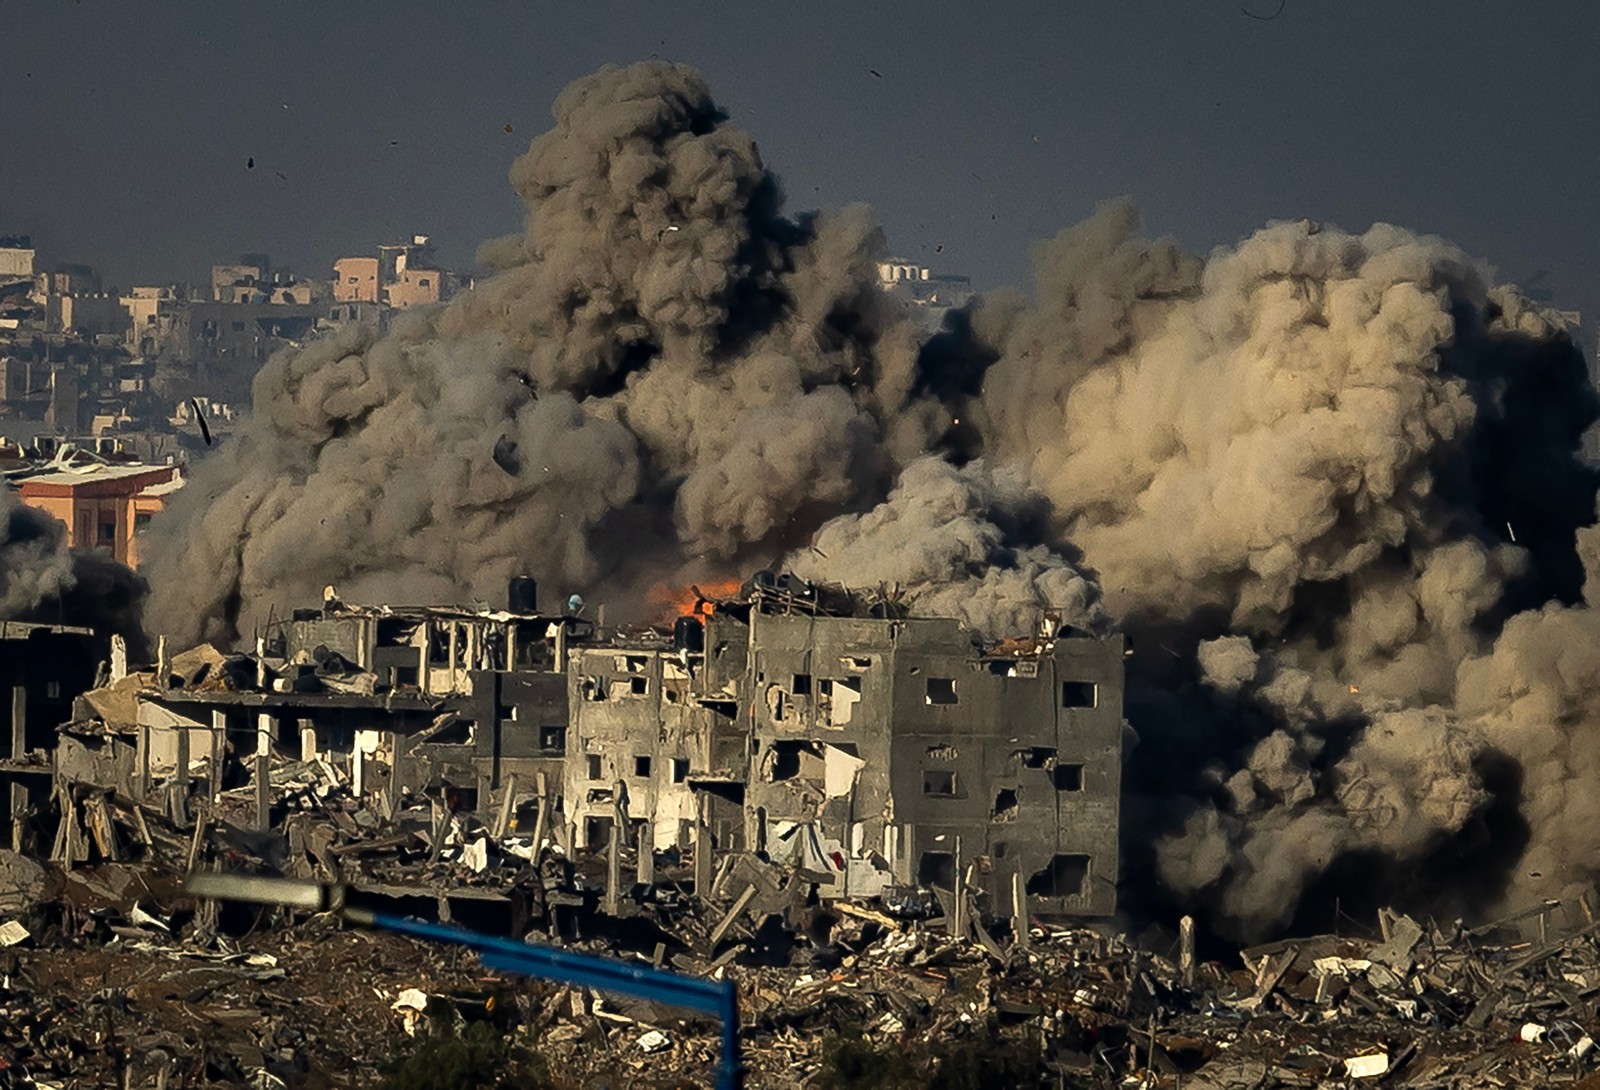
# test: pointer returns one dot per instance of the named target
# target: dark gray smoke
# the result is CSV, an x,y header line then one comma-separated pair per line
x,y
1325,480
42,580
664,358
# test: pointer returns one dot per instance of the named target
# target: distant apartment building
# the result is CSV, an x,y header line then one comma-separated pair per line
x,y
62,380
225,344
415,288
356,312
355,280
88,313
104,506
151,312
16,258
932,294
68,280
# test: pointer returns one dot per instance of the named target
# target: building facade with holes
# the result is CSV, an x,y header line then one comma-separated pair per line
x,y
875,754
895,753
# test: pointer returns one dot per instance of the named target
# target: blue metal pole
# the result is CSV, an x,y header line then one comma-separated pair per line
x,y
717,998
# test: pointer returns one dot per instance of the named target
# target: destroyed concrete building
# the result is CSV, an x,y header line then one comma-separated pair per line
x,y
869,752
872,754
43,667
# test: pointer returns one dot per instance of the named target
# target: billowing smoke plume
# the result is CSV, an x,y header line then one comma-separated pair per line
x,y
42,580
1314,473
967,543
34,562
663,359
1325,481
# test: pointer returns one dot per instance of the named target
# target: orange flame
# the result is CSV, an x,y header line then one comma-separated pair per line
x,y
668,603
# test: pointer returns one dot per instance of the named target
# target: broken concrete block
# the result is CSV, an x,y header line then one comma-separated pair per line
x,y
1369,1066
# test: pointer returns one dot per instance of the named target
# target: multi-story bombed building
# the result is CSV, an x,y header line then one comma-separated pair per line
x,y
869,752
872,752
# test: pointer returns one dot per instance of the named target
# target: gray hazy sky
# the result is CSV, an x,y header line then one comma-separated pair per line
x,y
125,127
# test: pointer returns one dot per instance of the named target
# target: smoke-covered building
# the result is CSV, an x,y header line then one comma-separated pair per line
x,y
869,751
225,344
43,668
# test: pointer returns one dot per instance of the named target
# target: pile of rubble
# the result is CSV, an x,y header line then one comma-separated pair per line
x,y
109,975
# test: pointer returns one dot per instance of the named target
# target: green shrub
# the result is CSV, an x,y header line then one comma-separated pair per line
x,y
478,1057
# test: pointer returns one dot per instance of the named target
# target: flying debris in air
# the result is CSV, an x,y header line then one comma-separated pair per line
x,y
1267,18
665,231
250,163
281,175
527,380
509,128
200,418
875,72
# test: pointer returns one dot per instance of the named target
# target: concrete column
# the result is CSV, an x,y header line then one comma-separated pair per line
x,y
1019,910
179,789
702,842
645,868
19,747
422,656
263,774
163,663
119,658
613,869
1186,950
219,750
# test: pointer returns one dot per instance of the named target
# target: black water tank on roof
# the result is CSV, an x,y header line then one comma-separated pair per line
x,y
522,594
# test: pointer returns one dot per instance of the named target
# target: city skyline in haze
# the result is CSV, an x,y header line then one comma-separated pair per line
x,y
972,135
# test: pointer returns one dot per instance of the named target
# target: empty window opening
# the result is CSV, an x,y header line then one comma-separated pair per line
x,y
941,690
600,795
1079,694
1005,804
459,733
526,818
1068,777
1064,877
839,697
553,740
1035,757
937,869
680,769
596,832
672,696
939,782
634,664
641,766
638,686
777,702
851,662
942,753
802,685
594,688
787,760
595,771
999,849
